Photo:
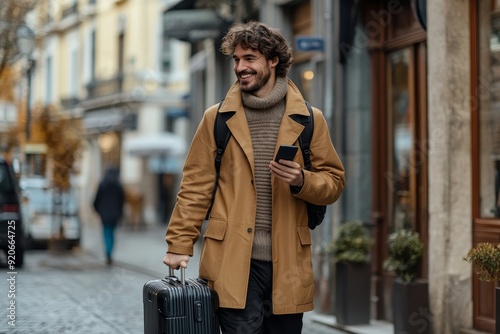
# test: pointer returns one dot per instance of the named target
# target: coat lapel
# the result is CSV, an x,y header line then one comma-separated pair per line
x,y
238,124
289,131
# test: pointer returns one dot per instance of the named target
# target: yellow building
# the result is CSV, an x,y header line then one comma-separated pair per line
x,y
107,64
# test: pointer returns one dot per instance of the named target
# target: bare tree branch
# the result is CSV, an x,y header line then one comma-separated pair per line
x,y
12,16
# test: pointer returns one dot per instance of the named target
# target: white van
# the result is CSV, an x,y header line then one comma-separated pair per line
x,y
47,212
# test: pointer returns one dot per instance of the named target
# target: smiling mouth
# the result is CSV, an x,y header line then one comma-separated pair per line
x,y
245,76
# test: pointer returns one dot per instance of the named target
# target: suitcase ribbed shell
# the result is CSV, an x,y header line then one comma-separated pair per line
x,y
173,308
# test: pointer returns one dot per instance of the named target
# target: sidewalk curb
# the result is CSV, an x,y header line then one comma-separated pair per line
x,y
374,327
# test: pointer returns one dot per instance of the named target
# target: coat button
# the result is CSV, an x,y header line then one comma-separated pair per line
x,y
249,230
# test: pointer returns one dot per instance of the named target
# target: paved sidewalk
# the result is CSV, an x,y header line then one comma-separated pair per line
x,y
140,249
70,293
143,250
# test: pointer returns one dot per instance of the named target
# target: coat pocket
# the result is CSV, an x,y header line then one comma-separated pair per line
x,y
304,294
213,249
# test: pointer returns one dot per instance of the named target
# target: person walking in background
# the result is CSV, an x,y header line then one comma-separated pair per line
x,y
257,246
108,203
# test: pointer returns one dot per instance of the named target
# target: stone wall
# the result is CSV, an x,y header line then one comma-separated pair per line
x,y
450,184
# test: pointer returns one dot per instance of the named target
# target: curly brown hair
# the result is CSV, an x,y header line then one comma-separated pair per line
x,y
258,36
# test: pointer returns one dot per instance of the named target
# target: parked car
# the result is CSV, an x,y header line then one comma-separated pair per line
x,y
45,210
12,229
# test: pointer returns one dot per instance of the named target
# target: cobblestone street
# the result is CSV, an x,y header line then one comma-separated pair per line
x,y
75,292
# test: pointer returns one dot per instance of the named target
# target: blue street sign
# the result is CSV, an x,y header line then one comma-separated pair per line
x,y
309,43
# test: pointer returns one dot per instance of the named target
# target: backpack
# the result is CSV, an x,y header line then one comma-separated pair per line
x,y
315,213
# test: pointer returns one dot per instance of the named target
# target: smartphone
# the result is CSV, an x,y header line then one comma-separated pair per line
x,y
286,152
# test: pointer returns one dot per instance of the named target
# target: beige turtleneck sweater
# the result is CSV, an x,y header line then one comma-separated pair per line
x,y
264,118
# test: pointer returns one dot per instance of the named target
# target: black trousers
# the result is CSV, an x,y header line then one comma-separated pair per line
x,y
257,316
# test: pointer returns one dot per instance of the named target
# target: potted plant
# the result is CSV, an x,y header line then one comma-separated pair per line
x,y
410,295
350,252
485,258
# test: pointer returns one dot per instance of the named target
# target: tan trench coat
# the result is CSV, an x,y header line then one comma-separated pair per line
x,y
227,245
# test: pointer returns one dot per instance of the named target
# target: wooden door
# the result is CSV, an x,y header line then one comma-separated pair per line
x,y
485,118
406,140
399,130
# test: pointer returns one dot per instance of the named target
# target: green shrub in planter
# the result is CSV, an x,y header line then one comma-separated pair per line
x,y
409,294
404,254
350,252
485,258
352,245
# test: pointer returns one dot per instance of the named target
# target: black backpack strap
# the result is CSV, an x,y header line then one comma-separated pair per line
x,y
306,135
222,135
315,213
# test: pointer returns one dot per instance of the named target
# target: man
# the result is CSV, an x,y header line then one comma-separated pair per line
x,y
257,246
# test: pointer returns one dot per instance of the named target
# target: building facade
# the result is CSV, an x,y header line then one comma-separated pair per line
x,y
107,64
432,87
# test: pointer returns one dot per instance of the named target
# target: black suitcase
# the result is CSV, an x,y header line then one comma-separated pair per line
x,y
185,306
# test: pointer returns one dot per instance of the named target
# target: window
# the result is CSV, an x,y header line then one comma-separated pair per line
x,y
489,118
89,56
401,127
36,164
302,75
92,55
109,144
74,74
166,56
73,65
49,80
121,51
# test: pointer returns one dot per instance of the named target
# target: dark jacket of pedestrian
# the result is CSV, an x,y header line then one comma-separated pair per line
x,y
110,198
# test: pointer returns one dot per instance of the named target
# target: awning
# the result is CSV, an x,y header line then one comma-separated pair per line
x,y
103,120
183,4
193,24
161,144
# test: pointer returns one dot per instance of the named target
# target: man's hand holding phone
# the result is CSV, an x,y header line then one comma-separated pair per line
x,y
286,152
284,168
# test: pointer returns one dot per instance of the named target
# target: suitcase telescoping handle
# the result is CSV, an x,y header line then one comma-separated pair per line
x,y
183,274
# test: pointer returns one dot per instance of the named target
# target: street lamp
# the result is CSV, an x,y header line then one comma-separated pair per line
x,y
26,45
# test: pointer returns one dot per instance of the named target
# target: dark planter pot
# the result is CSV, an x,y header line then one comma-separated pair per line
x,y
410,307
352,293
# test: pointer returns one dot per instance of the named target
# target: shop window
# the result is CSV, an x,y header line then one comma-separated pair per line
x,y
401,141
489,117
109,144
302,75
36,165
